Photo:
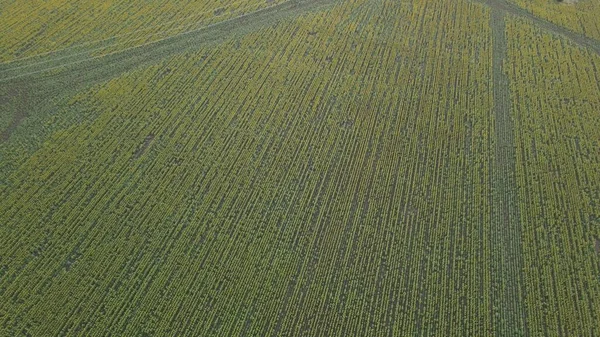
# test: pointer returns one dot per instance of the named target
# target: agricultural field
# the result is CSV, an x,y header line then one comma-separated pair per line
x,y
298,168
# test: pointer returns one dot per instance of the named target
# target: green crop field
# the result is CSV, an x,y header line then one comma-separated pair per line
x,y
300,168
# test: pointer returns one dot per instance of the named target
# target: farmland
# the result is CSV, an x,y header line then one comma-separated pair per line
x,y
298,168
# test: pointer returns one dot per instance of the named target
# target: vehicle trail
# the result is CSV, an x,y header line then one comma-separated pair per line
x,y
55,55
18,100
507,258
512,9
66,79
184,40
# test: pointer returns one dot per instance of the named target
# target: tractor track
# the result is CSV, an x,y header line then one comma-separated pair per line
x,y
65,78
91,69
509,315
581,40
507,257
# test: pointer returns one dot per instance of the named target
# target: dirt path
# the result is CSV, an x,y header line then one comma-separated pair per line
x,y
508,295
512,9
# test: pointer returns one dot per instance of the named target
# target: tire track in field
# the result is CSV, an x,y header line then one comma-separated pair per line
x,y
61,50
63,79
137,55
577,38
507,258
19,102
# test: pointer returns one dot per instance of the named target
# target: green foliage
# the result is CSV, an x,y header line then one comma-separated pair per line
x,y
334,173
